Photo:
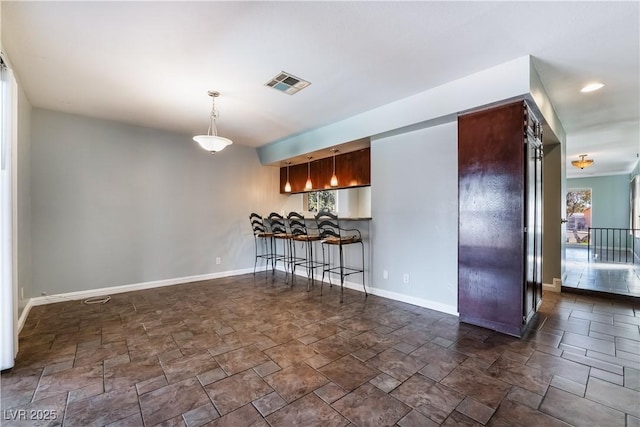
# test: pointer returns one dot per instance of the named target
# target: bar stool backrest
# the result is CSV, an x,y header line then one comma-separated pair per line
x,y
276,222
328,225
297,224
257,224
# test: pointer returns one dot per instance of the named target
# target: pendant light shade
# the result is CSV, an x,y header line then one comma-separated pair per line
x,y
211,141
308,185
334,178
287,185
582,163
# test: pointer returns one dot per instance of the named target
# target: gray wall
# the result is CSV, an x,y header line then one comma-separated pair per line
x,y
610,199
116,204
552,252
414,206
23,200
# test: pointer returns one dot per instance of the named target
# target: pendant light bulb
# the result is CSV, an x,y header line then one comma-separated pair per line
x,y
308,185
287,185
334,178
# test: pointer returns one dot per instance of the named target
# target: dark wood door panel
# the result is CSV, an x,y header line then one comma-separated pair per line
x,y
491,194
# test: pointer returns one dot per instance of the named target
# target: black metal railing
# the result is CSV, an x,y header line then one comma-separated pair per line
x,y
612,244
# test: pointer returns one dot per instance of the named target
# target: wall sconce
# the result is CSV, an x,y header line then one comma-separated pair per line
x,y
334,178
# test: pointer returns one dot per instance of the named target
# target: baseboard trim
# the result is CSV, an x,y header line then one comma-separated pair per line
x,y
23,315
420,302
555,287
80,295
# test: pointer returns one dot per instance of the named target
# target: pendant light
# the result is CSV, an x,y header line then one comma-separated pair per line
x,y
308,185
334,178
582,163
211,141
287,185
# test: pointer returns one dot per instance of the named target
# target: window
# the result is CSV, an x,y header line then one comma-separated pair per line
x,y
318,200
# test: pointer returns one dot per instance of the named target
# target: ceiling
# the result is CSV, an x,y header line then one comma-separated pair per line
x,y
152,63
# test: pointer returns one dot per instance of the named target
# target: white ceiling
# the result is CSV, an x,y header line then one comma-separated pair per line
x,y
152,63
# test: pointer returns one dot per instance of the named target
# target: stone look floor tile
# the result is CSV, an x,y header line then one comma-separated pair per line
x,y
348,372
396,364
310,411
296,381
416,419
370,406
68,380
245,416
576,410
200,415
385,382
237,390
330,392
173,356
514,414
474,383
104,408
127,374
614,396
434,400
269,403
189,366
172,400
241,359
475,410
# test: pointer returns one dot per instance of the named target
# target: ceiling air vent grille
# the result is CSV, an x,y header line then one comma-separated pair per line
x,y
287,83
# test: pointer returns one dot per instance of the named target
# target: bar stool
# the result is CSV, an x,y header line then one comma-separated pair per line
x,y
333,235
300,233
279,230
261,234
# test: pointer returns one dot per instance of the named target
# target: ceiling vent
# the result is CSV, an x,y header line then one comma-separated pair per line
x,y
287,83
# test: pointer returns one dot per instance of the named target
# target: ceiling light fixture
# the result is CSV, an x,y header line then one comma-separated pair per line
x,y
287,185
591,87
582,163
308,185
211,141
334,178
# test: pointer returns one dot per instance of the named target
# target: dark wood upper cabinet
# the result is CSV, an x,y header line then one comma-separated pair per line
x,y
352,169
499,229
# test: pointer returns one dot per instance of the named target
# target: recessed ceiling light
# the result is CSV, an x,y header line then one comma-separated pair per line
x,y
591,87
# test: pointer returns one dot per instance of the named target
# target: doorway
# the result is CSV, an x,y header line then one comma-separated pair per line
x,y
578,216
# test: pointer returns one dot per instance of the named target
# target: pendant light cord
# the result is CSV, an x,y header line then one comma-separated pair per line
x,y
212,118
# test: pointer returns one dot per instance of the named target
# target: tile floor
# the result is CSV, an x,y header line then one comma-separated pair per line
x,y
615,278
246,351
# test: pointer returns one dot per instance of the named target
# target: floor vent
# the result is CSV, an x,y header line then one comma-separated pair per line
x,y
287,83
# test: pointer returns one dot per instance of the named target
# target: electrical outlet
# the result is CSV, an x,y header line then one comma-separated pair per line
x,y
385,274
21,293
218,260
405,278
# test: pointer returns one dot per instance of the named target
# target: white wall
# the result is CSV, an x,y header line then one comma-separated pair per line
x,y
23,200
414,206
115,204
